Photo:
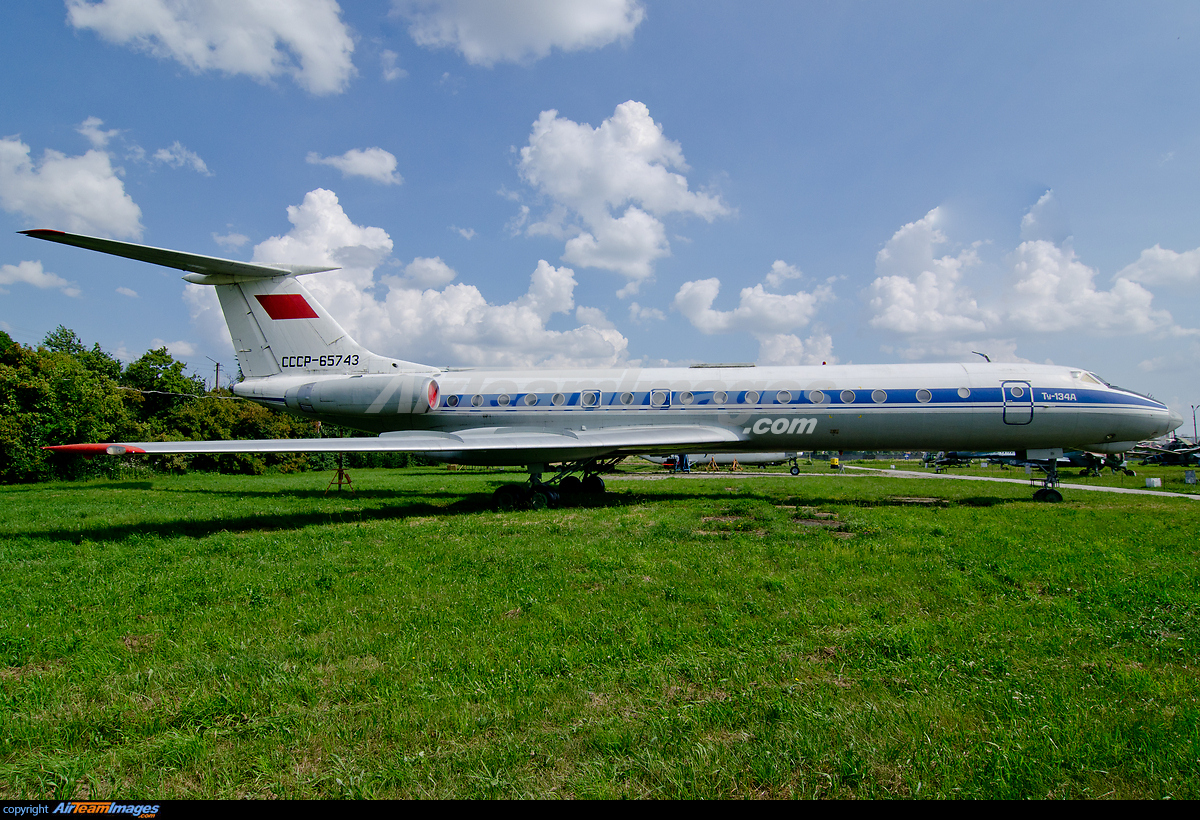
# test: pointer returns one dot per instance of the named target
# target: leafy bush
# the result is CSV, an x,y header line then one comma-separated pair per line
x,y
62,392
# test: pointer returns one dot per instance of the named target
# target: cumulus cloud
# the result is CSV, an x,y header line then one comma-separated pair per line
x,y
628,245
592,316
177,156
758,310
786,348
322,234
1054,290
130,292
1182,358
458,325
589,175
425,272
487,32
177,349
781,272
207,320
957,350
1159,266
923,297
391,72
31,273
81,193
91,130
262,39
919,293
421,315
768,316
230,241
1045,220
372,163
645,314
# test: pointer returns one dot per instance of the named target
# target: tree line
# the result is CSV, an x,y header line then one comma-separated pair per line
x,y
63,392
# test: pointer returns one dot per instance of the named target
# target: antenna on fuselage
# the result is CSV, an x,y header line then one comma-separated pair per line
x,y
984,355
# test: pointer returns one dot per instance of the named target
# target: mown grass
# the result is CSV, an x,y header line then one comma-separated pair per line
x,y
709,637
1173,478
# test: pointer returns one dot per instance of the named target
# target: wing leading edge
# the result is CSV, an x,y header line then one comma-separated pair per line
x,y
496,445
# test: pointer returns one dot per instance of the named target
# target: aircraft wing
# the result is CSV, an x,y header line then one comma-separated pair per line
x,y
504,445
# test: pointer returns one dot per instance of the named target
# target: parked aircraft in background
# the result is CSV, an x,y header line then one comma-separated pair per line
x,y
1091,463
1176,453
942,459
295,357
697,461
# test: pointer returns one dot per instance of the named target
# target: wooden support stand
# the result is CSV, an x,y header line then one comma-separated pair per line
x,y
341,478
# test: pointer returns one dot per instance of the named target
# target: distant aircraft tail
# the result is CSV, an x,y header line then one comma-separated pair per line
x,y
274,322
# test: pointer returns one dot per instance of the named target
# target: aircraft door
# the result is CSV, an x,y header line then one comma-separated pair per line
x,y
1018,402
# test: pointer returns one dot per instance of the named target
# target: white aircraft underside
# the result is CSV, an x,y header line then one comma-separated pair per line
x,y
298,359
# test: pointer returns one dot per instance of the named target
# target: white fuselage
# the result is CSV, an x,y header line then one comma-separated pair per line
x,y
969,406
296,357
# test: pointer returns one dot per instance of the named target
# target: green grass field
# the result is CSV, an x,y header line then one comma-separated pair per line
x,y
1173,479
825,636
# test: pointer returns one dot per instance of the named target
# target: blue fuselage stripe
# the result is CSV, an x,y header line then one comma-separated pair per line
x,y
863,400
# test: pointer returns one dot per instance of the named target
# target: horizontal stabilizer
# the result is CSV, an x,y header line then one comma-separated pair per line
x,y
222,271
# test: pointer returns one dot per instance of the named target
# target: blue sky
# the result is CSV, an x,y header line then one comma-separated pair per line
x,y
526,182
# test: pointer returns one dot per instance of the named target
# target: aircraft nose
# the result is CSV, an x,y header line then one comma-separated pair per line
x,y
1174,419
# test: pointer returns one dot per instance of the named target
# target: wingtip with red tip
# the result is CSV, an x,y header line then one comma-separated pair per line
x,y
96,449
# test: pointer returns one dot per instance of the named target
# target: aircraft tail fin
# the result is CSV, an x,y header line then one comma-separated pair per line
x,y
275,324
278,327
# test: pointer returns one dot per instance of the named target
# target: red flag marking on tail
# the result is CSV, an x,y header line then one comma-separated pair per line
x,y
287,306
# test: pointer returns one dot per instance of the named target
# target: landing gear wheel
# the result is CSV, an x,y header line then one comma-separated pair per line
x,y
509,497
795,470
570,485
1130,473
542,497
1048,495
593,484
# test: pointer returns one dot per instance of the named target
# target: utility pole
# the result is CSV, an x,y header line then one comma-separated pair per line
x,y
217,378
1195,440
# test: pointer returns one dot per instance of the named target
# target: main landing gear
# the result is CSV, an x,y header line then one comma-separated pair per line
x,y
564,488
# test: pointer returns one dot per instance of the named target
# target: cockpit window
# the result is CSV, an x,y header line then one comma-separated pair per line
x,y
1092,379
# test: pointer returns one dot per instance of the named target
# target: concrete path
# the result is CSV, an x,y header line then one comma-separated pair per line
x,y
866,472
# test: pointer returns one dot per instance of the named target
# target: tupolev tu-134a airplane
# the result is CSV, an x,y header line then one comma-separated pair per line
x,y
295,357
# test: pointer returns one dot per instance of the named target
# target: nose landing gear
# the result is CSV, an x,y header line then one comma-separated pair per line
x,y
1049,492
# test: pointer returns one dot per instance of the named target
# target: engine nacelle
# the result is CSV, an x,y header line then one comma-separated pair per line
x,y
384,395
